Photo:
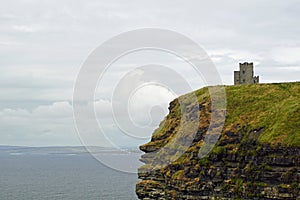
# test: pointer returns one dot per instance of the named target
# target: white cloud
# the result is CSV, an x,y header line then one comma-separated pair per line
x,y
143,101
36,71
44,125
27,28
238,55
286,55
57,110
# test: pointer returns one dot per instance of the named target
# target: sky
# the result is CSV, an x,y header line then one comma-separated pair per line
x,y
44,44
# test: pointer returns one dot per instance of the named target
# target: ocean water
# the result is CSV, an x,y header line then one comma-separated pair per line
x,y
39,177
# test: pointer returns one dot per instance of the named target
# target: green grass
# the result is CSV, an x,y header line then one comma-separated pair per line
x,y
272,108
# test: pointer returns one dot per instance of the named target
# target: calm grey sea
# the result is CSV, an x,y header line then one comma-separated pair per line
x,y
39,177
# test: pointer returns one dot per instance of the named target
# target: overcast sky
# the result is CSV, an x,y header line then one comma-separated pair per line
x,y
43,44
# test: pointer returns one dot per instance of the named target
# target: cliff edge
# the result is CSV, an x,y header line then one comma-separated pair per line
x,y
257,155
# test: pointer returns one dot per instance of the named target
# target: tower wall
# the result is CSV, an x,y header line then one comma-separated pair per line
x,y
236,77
246,73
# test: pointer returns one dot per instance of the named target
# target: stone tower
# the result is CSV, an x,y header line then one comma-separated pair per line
x,y
245,75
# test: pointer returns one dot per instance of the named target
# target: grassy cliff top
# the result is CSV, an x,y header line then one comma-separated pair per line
x,y
267,113
275,108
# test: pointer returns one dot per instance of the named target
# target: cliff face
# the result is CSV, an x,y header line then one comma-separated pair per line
x,y
256,157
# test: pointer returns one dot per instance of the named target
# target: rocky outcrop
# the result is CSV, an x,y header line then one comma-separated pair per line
x,y
253,159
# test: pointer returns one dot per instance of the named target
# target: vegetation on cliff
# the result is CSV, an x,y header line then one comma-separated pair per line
x,y
272,107
257,155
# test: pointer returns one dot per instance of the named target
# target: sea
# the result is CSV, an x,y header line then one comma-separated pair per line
x,y
41,174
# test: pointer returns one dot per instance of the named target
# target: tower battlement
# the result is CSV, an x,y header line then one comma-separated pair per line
x,y
245,75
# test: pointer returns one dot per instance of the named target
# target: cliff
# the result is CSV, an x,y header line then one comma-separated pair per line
x,y
257,155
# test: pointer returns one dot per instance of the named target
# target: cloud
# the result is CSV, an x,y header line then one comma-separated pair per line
x,y
286,55
238,55
57,110
43,45
44,125
26,28
53,124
